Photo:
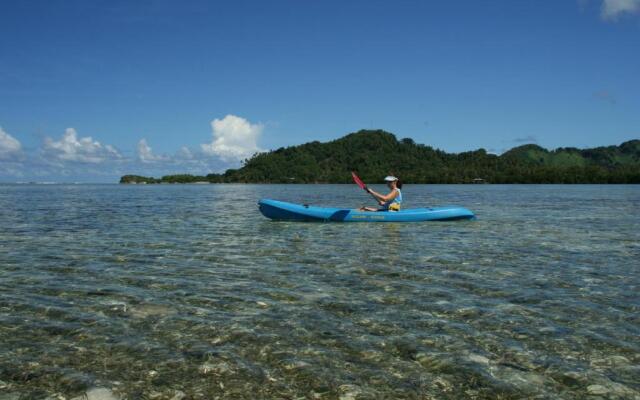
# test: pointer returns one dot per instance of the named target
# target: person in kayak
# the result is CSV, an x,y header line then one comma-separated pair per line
x,y
390,202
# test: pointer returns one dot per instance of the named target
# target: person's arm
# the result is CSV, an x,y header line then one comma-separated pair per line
x,y
383,199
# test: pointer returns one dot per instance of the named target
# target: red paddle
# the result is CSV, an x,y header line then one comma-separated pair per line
x,y
364,187
359,182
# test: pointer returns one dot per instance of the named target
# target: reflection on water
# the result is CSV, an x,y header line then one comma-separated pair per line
x,y
172,292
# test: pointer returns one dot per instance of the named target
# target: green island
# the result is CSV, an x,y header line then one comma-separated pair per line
x,y
376,153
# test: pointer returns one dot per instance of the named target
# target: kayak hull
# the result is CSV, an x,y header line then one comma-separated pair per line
x,y
281,210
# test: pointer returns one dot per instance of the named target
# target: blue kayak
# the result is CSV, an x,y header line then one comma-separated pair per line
x,y
282,210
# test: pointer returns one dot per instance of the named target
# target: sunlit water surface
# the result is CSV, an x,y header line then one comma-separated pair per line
x,y
187,291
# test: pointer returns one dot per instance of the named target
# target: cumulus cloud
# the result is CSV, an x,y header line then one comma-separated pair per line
x,y
234,138
145,154
612,9
184,160
70,148
10,147
71,156
184,153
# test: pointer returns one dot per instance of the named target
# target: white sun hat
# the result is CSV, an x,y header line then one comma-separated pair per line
x,y
390,178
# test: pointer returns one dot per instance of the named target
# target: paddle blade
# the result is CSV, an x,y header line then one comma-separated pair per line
x,y
358,181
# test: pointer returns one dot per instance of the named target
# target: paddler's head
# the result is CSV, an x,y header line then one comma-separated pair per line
x,y
391,181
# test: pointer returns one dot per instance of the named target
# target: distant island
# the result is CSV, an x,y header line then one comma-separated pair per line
x,y
376,153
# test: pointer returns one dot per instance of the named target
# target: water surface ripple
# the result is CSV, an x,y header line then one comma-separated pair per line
x,y
186,291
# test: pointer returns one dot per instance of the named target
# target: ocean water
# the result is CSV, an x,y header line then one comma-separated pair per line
x,y
188,292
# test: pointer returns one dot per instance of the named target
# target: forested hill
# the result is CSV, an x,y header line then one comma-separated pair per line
x,y
375,154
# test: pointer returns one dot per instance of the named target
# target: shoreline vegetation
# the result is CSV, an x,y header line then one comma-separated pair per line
x,y
376,153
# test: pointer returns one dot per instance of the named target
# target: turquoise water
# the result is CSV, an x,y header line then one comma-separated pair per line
x,y
186,291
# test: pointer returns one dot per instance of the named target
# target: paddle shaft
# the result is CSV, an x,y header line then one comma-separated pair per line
x,y
362,185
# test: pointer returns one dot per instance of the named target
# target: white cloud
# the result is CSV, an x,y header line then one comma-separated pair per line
x,y
70,148
611,9
9,146
184,153
184,160
145,154
71,156
234,138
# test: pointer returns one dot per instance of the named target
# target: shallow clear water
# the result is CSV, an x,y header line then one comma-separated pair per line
x,y
186,291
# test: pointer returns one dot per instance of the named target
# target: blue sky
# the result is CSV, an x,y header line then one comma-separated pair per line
x,y
90,90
